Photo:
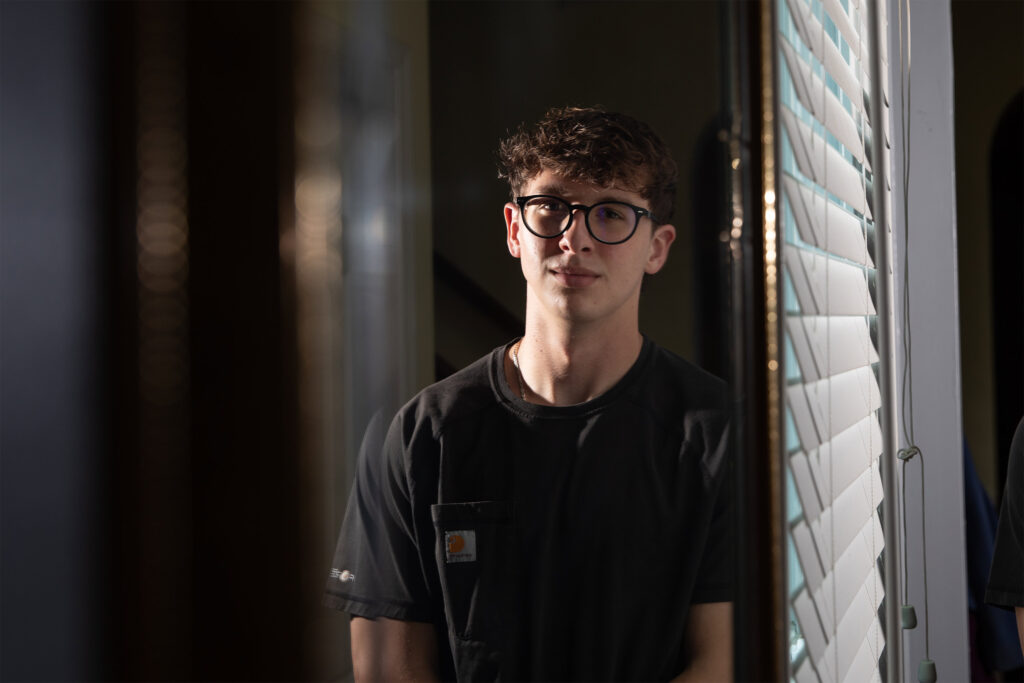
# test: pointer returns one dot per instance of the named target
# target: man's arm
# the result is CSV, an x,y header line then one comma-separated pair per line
x,y
1020,626
392,650
709,642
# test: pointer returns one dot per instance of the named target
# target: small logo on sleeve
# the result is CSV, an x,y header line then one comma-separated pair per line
x,y
345,576
460,546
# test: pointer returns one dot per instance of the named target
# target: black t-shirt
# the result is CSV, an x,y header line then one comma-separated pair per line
x,y
1006,580
546,543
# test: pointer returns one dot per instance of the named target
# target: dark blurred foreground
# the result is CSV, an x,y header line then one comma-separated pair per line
x,y
149,520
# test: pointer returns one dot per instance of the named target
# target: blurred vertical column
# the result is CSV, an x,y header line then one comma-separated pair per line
x,y
164,566
357,249
311,254
381,262
54,378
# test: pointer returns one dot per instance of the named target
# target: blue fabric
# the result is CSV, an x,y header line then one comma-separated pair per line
x,y
996,641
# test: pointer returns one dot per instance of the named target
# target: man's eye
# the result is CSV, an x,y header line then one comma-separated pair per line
x,y
610,213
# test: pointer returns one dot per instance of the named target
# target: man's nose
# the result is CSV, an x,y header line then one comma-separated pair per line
x,y
576,238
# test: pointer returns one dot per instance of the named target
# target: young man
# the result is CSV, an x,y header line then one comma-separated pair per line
x,y
555,511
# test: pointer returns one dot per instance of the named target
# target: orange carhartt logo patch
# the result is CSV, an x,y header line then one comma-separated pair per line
x,y
456,543
460,546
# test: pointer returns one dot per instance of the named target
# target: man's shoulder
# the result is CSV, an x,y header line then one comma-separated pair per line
x,y
688,385
692,403
461,394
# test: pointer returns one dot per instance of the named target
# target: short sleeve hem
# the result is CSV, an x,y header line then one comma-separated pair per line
x,y
1004,599
717,594
372,609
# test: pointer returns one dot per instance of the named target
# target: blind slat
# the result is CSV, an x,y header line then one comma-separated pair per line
x,y
805,673
834,466
845,25
825,286
847,405
825,165
810,561
810,625
852,569
840,523
826,346
810,498
838,463
824,224
806,428
822,103
813,35
843,590
843,400
810,365
834,596
860,626
865,666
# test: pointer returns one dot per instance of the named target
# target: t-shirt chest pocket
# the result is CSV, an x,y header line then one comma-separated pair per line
x,y
474,552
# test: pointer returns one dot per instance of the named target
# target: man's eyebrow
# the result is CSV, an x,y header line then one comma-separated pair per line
x,y
558,190
562,191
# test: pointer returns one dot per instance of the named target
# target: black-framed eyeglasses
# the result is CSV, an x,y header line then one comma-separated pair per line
x,y
548,216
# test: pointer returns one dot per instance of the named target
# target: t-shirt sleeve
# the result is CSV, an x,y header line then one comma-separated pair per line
x,y
715,575
379,567
1006,579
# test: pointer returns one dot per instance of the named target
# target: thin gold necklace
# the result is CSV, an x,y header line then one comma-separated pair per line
x,y
519,373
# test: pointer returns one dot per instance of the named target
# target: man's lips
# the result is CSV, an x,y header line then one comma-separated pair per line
x,y
572,276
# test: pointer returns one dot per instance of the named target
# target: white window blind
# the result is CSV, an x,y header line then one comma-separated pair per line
x,y
834,438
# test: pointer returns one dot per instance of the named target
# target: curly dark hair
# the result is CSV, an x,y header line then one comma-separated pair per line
x,y
591,145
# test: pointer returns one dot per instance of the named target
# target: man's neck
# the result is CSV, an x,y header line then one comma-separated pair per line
x,y
566,364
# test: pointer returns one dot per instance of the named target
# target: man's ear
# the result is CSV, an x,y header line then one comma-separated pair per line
x,y
512,229
661,240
